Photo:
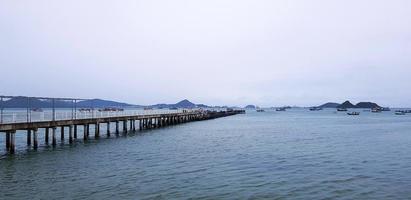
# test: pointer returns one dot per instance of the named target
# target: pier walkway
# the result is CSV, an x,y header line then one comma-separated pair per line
x,y
73,121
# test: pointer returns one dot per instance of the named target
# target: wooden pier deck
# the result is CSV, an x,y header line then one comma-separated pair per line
x,y
128,123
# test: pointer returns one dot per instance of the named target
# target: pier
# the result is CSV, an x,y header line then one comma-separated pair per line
x,y
114,122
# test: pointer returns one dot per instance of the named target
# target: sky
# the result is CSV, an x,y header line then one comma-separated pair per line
x,y
216,52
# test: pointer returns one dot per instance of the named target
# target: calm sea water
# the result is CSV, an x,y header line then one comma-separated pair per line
x,y
296,154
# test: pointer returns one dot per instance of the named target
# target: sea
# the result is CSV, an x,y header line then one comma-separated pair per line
x,y
296,154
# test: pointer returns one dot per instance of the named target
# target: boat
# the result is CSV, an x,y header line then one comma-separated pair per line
x,y
315,109
342,109
376,110
281,109
353,113
400,112
148,108
258,109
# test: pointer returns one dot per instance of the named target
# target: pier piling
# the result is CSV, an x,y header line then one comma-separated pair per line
x,y
28,137
35,141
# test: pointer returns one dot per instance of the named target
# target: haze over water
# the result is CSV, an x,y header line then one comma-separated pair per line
x,y
296,154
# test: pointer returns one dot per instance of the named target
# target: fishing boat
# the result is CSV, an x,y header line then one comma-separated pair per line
x,y
376,110
315,109
342,109
258,109
280,109
353,113
400,112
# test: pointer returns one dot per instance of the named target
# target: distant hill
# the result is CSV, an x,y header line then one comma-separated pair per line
x,y
22,102
250,107
182,104
367,105
346,104
329,105
99,103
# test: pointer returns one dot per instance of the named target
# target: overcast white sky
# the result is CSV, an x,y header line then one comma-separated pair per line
x,y
231,52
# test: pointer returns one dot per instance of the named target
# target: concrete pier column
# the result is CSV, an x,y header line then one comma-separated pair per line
x,y
53,135
12,140
144,124
85,132
35,141
88,131
140,125
8,135
125,126
117,129
71,134
28,137
131,125
108,129
97,130
62,133
75,131
46,136
134,125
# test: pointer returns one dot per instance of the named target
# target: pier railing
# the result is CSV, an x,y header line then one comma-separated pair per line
x,y
22,116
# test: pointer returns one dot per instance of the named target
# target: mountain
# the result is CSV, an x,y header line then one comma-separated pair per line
x,y
182,104
367,105
22,102
346,104
185,104
99,103
250,107
329,105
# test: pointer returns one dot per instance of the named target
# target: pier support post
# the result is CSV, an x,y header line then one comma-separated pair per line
x,y
140,125
117,129
28,137
86,130
53,135
75,131
35,141
97,130
134,125
62,133
131,125
125,126
7,141
108,129
12,148
71,134
46,136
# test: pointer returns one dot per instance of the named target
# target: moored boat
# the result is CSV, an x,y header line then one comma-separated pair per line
x,y
315,108
280,109
400,112
353,113
342,109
